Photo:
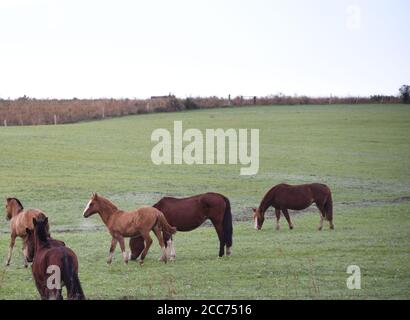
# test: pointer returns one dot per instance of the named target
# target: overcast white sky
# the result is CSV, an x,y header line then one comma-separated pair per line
x,y
84,49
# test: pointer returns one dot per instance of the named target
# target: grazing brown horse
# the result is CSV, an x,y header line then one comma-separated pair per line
x,y
284,197
122,224
20,220
188,214
54,265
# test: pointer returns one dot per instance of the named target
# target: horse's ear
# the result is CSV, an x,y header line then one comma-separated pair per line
x,y
254,209
46,220
34,222
28,231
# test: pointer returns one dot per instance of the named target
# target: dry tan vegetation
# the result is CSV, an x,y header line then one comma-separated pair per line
x,y
27,111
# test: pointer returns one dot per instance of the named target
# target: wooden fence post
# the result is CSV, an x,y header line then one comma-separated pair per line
x,y
5,122
55,119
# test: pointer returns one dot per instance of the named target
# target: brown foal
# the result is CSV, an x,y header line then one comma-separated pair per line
x,y
122,224
20,221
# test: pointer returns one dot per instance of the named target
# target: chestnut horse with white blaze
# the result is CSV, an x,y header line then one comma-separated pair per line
x,y
284,197
122,224
188,214
20,221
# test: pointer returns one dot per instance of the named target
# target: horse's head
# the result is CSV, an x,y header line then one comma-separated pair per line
x,y
41,228
92,206
28,245
41,231
259,218
13,206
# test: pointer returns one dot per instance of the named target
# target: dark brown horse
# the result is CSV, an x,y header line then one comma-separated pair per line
x,y
54,264
188,214
284,197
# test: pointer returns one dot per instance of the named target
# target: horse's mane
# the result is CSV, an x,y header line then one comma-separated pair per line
x,y
267,200
107,203
18,202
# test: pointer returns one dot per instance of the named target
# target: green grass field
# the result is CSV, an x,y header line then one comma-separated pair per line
x,y
361,152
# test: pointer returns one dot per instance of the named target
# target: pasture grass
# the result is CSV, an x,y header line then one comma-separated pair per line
x,y
298,264
362,152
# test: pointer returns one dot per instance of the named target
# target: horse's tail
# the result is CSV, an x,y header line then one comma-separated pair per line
x,y
164,225
227,223
71,280
329,207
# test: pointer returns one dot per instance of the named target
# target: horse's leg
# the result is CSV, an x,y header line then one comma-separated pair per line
x,y
112,249
41,289
148,242
12,242
54,294
320,228
169,243
172,251
331,225
286,214
136,247
59,294
122,246
25,262
277,212
322,215
158,234
219,230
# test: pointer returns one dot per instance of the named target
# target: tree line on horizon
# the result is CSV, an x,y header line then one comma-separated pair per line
x,y
32,111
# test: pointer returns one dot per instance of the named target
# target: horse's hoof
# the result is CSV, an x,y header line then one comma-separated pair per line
x,y
277,228
291,227
8,264
109,262
141,262
320,229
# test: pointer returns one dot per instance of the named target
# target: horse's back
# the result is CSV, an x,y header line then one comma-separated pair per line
x,y
209,198
303,187
214,201
54,253
24,220
321,187
298,197
146,212
189,213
